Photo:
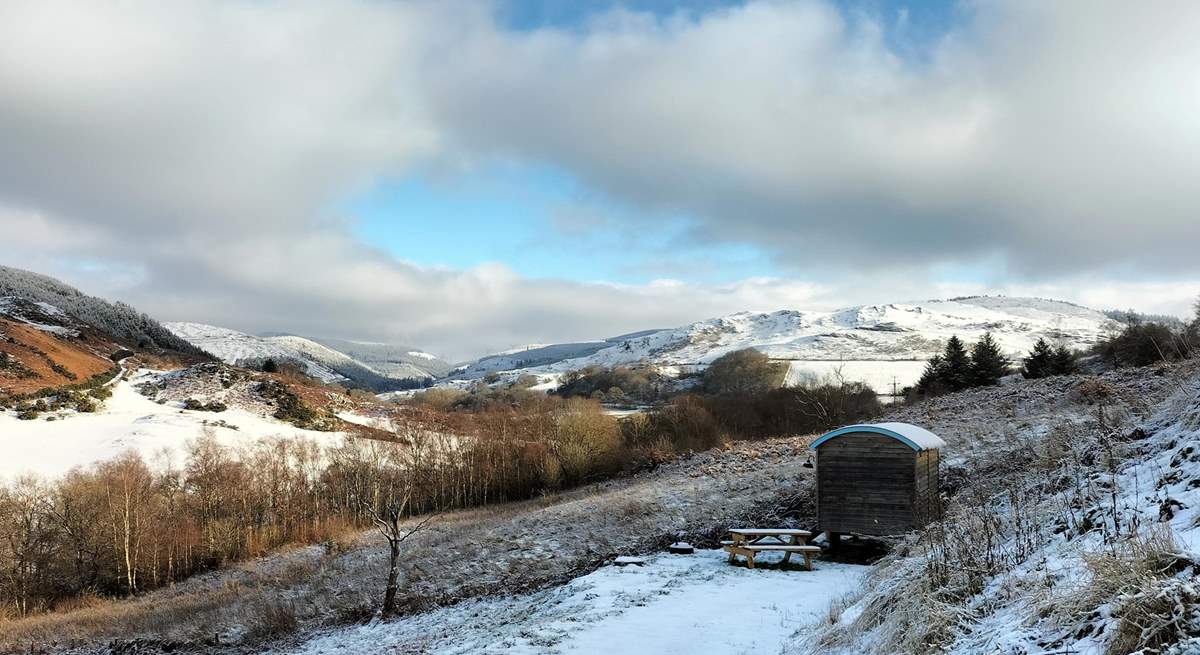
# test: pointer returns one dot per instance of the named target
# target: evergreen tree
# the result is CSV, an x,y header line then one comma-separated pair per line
x,y
1063,362
1038,363
931,378
956,365
270,366
988,363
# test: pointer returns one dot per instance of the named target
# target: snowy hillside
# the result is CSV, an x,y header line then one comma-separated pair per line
x,y
129,421
116,319
1085,553
533,355
42,346
325,362
875,343
243,349
396,361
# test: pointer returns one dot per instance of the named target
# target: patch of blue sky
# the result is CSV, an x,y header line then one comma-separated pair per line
x,y
540,224
524,15
910,26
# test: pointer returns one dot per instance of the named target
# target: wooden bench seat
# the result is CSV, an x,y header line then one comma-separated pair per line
x,y
748,541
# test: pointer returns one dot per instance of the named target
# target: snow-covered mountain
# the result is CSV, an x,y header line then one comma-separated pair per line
x,y
393,360
319,360
880,344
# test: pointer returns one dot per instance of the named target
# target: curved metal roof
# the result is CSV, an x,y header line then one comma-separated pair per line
x,y
910,435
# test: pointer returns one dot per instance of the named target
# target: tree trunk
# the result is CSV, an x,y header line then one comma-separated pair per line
x,y
389,595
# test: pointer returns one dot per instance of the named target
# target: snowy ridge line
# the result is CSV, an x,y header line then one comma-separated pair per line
x,y
375,366
867,334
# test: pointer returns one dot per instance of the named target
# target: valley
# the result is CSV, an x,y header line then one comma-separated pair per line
x,y
528,499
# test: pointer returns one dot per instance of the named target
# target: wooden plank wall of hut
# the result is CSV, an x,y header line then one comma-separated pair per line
x,y
867,484
927,504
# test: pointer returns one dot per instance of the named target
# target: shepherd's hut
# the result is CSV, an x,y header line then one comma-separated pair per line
x,y
876,479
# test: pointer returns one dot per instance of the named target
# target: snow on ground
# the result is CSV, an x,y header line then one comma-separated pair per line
x,y
1047,600
15,308
233,347
126,421
674,604
378,422
880,375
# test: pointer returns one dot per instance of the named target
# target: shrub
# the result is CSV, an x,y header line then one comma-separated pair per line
x,y
198,406
1143,344
617,384
442,399
526,381
743,371
13,366
101,393
274,619
584,440
289,407
687,424
83,403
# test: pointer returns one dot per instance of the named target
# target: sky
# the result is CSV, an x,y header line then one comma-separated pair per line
x,y
466,177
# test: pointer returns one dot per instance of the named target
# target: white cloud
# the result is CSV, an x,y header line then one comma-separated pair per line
x,y
196,149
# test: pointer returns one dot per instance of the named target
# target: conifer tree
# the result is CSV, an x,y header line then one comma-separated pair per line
x,y
1063,361
988,363
931,377
956,365
1038,363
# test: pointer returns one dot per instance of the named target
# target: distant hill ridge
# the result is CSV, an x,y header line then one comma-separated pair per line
x,y
379,367
882,333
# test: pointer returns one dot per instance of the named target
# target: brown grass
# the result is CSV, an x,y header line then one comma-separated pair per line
x,y
40,352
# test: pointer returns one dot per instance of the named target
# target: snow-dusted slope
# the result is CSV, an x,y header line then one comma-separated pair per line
x,y
129,421
397,361
322,361
243,349
118,320
533,355
892,337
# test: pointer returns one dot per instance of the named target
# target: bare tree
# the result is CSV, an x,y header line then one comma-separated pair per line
x,y
400,471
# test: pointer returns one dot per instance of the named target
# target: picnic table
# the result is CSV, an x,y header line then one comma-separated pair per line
x,y
748,541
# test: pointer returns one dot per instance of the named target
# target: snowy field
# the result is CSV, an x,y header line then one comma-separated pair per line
x,y
880,375
675,604
126,421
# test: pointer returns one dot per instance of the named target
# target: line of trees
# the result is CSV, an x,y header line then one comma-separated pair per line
x,y
125,526
958,368
1046,360
1145,342
984,364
